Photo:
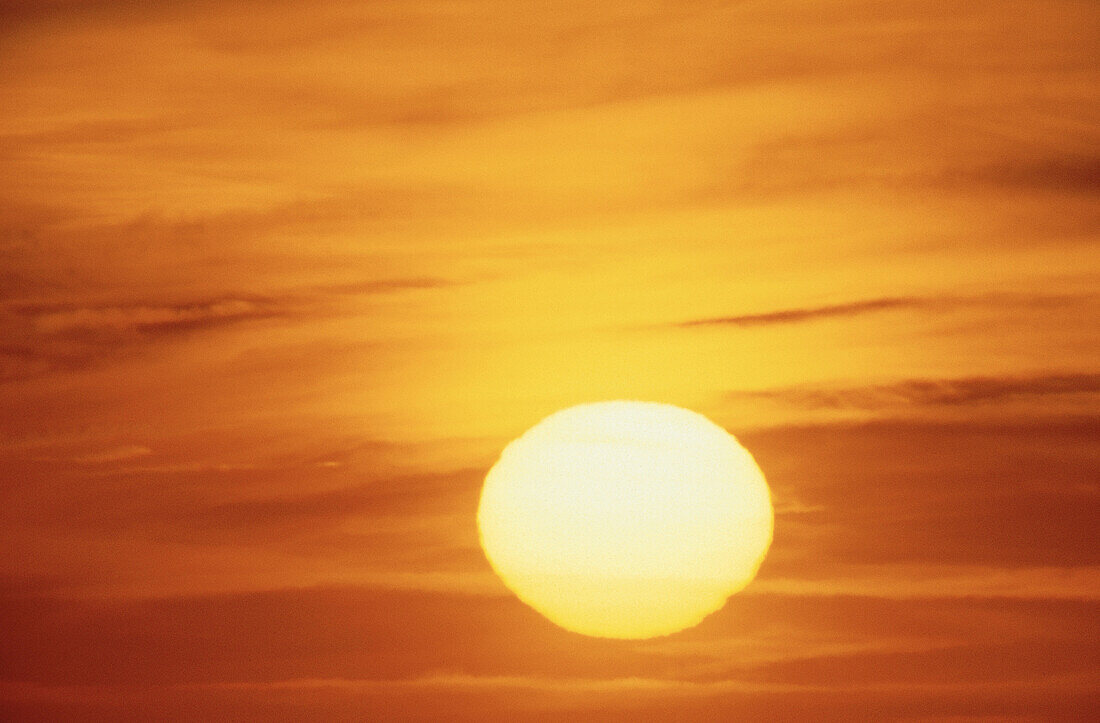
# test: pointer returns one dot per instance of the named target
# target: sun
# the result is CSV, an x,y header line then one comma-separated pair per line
x,y
625,519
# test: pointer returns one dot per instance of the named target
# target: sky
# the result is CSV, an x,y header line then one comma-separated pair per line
x,y
279,280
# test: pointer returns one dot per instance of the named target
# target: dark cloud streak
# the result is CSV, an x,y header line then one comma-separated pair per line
x,y
932,392
889,303
790,316
42,337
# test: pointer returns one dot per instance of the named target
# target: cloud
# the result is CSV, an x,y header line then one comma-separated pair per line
x,y
118,528
1069,173
477,698
860,307
151,319
240,502
635,685
47,336
384,498
790,316
116,454
68,11
931,392
384,286
979,154
1008,494
353,649
511,698
913,582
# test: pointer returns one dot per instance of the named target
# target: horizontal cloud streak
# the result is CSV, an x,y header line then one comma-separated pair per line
x,y
147,318
867,306
931,392
789,316
358,645
54,335
907,583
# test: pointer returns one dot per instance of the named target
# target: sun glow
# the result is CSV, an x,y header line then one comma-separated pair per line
x,y
625,519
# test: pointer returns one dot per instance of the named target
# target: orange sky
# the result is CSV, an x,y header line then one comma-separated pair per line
x,y
278,280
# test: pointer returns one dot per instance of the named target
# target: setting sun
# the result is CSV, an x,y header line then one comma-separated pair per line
x,y
326,326
625,519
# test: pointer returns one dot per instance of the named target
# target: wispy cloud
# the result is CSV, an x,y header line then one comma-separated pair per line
x,y
812,313
1069,173
908,582
931,392
47,337
115,454
65,335
417,497
384,286
860,307
356,649
153,319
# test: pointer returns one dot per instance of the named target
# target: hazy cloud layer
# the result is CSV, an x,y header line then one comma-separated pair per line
x,y
338,642
279,280
867,306
934,392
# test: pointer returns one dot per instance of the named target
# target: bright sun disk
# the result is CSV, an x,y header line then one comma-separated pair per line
x,y
625,519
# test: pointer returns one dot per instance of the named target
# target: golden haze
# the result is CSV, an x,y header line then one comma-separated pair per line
x,y
279,280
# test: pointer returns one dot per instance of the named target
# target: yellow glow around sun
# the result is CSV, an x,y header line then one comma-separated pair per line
x,y
625,519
